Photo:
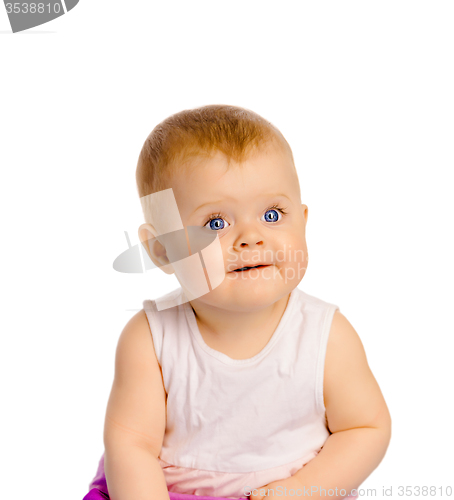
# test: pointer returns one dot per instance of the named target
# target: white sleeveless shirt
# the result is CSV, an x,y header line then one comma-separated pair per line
x,y
238,423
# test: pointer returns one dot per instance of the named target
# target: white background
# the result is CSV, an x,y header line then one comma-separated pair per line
x,y
363,92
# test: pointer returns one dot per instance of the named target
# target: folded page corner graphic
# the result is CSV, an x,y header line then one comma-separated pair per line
x,y
70,4
29,14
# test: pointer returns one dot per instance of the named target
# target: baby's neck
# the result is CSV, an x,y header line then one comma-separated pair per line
x,y
239,335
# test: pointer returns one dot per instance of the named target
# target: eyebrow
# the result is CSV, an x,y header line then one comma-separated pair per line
x,y
272,195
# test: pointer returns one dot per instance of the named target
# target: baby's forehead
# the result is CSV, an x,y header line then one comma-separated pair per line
x,y
234,185
201,162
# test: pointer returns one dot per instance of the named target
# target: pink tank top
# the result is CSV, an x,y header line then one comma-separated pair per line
x,y
234,425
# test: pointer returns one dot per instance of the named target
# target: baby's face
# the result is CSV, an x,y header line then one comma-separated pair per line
x,y
245,205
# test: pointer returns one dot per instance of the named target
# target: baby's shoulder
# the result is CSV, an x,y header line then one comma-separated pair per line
x,y
343,342
136,335
351,394
136,408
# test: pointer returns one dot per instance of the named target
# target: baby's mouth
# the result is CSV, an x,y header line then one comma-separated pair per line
x,y
247,268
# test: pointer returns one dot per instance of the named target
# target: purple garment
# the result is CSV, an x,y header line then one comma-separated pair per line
x,y
98,489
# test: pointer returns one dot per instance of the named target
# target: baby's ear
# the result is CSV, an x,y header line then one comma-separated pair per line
x,y
305,211
148,236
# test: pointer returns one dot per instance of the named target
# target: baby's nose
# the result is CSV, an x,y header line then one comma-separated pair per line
x,y
245,244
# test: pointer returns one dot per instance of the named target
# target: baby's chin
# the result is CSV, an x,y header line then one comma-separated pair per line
x,y
246,296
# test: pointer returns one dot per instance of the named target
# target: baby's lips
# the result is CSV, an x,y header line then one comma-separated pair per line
x,y
27,14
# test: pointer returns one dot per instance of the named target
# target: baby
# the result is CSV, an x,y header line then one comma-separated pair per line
x,y
237,384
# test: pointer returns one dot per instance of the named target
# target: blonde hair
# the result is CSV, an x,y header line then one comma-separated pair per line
x,y
231,130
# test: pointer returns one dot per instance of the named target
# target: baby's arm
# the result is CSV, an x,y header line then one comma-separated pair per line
x,y
357,417
135,418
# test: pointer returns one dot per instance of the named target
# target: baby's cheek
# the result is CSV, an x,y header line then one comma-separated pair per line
x,y
298,260
298,252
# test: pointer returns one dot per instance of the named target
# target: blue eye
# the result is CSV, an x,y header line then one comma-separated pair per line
x,y
271,215
216,223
